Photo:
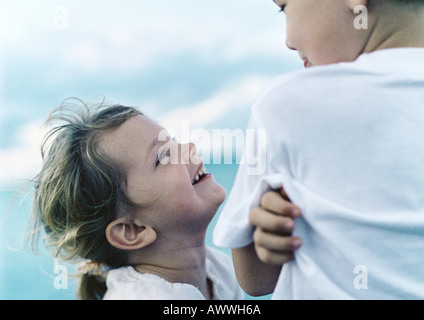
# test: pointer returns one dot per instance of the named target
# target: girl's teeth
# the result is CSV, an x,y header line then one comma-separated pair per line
x,y
201,171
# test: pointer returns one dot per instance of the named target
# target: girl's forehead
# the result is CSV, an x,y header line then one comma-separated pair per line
x,y
139,129
133,136
142,122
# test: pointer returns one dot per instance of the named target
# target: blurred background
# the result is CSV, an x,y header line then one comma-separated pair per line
x,y
200,63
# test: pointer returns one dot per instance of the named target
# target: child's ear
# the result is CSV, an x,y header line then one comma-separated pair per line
x,y
354,3
127,235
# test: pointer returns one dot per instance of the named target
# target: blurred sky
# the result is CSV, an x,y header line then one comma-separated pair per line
x,y
184,60
199,61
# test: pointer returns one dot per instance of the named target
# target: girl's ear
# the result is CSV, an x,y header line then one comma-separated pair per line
x,y
127,235
354,3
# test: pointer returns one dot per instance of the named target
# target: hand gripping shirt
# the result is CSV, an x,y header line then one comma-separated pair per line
x,y
346,141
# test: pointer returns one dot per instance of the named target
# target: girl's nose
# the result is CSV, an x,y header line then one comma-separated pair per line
x,y
290,46
189,154
194,156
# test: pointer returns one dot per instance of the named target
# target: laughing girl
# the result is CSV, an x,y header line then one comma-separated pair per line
x,y
116,196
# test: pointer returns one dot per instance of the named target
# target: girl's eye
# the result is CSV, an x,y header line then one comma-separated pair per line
x,y
164,155
283,7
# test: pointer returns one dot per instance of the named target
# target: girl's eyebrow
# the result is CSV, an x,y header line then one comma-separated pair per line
x,y
152,145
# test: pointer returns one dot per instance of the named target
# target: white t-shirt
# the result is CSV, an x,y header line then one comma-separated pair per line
x,y
347,143
127,284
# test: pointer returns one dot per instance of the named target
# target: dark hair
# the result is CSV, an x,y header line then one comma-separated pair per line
x,y
410,2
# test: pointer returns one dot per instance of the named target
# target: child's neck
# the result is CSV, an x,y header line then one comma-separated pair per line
x,y
406,30
179,262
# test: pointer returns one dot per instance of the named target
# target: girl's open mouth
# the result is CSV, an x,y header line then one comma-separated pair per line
x,y
200,175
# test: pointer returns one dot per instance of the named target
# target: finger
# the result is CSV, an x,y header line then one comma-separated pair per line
x,y
270,222
276,243
274,258
272,201
275,251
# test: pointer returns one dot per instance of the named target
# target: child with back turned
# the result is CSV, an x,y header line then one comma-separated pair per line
x,y
346,142
117,193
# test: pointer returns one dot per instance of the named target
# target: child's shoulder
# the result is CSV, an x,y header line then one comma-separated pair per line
x,y
338,84
322,78
390,61
287,94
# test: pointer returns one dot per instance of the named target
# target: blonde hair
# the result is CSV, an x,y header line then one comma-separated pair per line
x,y
80,190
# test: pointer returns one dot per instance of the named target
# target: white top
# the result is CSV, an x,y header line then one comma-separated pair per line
x,y
347,143
127,284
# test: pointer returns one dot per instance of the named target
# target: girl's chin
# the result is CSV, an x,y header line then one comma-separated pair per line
x,y
208,189
219,195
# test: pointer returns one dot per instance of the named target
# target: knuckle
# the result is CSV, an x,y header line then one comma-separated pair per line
x,y
273,258
267,199
257,237
281,225
253,215
264,255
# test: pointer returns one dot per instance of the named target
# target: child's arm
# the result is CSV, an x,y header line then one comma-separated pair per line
x,y
254,276
258,265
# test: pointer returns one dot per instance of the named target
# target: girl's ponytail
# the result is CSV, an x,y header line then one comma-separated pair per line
x,y
92,282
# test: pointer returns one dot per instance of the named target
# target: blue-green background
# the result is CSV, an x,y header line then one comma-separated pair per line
x,y
198,61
